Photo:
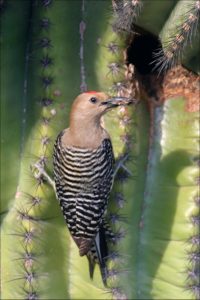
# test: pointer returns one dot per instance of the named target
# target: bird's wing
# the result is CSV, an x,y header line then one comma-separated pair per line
x,y
97,190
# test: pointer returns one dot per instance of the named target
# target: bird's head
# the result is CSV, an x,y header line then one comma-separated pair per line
x,y
92,105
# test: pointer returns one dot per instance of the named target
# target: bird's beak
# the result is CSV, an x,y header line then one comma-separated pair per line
x,y
118,101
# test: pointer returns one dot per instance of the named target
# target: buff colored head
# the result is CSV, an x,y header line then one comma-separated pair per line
x,y
92,105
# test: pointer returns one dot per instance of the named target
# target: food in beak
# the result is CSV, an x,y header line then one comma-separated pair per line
x,y
118,101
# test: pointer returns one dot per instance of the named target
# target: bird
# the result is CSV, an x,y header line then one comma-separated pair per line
x,y
83,165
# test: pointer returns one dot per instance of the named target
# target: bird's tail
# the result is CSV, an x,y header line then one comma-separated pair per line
x,y
99,251
102,252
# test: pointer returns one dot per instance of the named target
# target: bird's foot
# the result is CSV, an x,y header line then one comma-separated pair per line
x,y
121,164
39,172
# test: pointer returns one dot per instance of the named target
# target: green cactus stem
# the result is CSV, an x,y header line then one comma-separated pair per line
x,y
154,207
171,189
178,34
35,212
13,94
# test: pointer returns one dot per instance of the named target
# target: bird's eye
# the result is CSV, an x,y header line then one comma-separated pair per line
x,y
93,100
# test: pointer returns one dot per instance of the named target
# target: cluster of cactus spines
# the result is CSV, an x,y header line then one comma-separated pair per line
x,y
46,3
179,37
46,61
126,12
45,23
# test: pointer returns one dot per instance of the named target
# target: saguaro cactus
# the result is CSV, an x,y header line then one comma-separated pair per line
x,y
51,51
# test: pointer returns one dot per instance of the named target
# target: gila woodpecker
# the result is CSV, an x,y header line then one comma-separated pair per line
x,y
83,172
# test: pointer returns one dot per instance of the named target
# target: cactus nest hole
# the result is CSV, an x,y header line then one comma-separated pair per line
x,y
141,49
156,86
140,52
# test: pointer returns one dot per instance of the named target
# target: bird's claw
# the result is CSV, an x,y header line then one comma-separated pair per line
x,y
120,164
39,172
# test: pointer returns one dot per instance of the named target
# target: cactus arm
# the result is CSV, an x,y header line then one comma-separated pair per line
x,y
178,36
56,270
41,233
154,15
13,56
91,29
171,190
129,130
129,189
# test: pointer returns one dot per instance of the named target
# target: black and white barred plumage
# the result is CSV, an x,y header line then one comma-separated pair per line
x,y
83,179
